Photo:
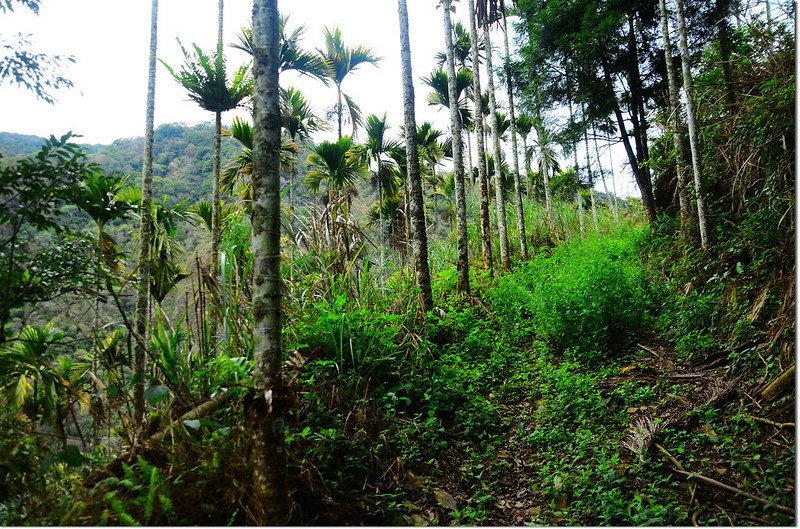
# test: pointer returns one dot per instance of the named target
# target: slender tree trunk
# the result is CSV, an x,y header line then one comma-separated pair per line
x,y
548,198
458,161
339,108
143,295
526,158
576,167
215,204
677,135
470,165
694,146
723,8
468,170
523,241
642,178
502,231
769,15
639,100
380,212
435,200
591,183
483,185
416,203
613,180
220,12
611,204
545,171
266,408
589,173
407,210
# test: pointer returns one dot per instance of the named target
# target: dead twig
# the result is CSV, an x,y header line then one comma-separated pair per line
x,y
787,425
733,490
692,486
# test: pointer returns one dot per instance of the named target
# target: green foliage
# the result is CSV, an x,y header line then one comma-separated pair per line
x,y
356,345
580,299
206,80
140,497
334,164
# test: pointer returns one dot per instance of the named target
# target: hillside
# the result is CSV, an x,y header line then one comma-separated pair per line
x,y
182,157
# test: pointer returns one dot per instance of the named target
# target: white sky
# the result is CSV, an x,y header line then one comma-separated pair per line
x,y
110,42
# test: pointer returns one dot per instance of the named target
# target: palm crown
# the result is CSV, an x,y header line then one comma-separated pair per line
x,y
292,56
205,78
343,60
333,164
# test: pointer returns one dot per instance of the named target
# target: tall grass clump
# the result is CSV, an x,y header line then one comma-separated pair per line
x,y
583,299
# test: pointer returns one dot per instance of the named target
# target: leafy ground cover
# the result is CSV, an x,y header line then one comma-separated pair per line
x,y
554,396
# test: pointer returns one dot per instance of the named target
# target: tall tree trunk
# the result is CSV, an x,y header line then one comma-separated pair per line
x,y
339,108
407,211
591,181
480,136
458,161
723,8
215,205
613,179
575,166
266,408
469,166
143,295
523,241
674,109
611,203
642,178
768,9
545,171
502,231
526,158
380,212
639,124
694,146
416,203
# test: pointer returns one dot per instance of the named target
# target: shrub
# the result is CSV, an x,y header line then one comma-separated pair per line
x,y
581,300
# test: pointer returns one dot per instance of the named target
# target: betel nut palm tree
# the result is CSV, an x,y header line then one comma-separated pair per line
x,y
206,80
483,186
342,61
493,125
143,276
265,411
376,149
462,264
335,165
416,207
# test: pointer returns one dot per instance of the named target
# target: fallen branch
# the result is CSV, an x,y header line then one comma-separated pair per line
x,y
775,389
206,408
113,466
787,425
666,363
733,490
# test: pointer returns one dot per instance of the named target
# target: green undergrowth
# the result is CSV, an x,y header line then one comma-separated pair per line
x,y
516,406
581,298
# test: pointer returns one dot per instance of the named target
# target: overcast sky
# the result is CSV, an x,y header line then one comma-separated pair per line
x,y
110,43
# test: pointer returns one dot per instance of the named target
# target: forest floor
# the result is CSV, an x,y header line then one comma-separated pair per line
x,y
688,453
579,389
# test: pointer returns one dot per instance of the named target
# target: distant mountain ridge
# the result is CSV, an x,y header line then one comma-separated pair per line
x,y
182,157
